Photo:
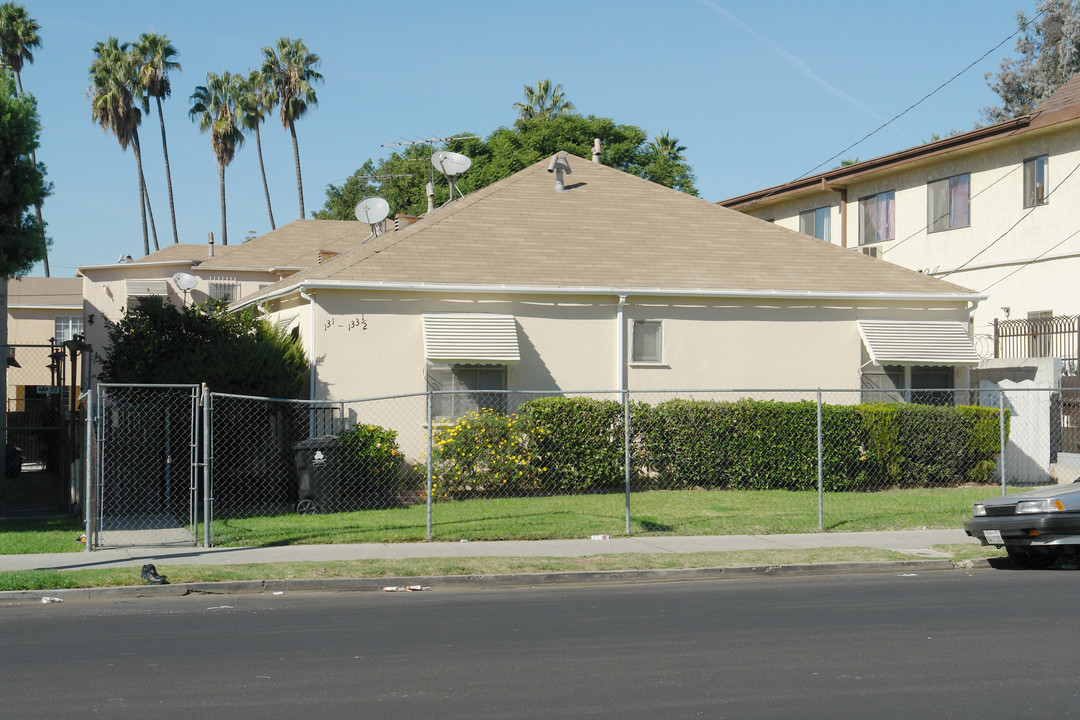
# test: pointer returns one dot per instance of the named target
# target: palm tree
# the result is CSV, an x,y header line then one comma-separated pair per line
x,y
666,147
543,101
289,69
113,94
154,56
256,101
18,38
214,107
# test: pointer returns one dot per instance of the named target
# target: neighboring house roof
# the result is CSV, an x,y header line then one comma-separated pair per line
x,y
43,293
608,231
291,247
1063,106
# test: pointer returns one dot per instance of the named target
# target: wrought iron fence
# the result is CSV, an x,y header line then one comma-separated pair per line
x,y
1051,336
446,465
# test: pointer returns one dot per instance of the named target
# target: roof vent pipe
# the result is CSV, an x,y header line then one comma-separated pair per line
x,y
596,150
559,165
210,244
430,188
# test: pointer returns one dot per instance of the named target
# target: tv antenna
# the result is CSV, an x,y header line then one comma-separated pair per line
x,y
185,282
429,141
372,210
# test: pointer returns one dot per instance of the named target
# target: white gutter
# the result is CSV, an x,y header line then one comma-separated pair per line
x,y
303,286
45,307
152,263
312,360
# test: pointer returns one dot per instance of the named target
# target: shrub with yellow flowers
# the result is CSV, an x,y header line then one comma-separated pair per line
x,y
483,453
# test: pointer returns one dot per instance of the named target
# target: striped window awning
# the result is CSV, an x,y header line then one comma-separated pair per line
x,y
470,338
145,288
912,342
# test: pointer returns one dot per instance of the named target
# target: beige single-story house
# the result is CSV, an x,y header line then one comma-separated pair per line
x,y
42,314
574,276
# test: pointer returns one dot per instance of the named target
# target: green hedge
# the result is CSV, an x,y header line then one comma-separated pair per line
x,y
563,445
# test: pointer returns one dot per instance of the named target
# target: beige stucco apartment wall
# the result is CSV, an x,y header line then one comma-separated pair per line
x,y
1022,258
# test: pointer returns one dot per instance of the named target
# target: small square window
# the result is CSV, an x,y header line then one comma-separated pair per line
x,y
815,222
648,342
1035,181
65,327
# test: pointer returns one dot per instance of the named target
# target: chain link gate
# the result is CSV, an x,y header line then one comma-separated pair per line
x,y
144,480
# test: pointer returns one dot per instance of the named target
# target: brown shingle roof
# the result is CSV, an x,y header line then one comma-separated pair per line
x,y
296,245
610,230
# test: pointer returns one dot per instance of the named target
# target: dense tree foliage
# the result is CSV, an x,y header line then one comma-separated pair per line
x,y
22,181
401,177
157,342
1049,54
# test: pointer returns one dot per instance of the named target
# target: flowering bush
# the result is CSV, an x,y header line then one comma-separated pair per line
x,y
484,453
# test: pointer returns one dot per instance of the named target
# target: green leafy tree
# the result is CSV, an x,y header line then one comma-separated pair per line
x,y
115,93
18,38
214,108
154,58
22,182
544,101
1049,54
256,100
664,163
341,199
290,68
157,342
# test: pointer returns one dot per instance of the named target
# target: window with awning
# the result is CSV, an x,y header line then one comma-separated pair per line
x,y
470,338
912,342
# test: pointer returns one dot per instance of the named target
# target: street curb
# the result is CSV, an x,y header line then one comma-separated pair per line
x,y
490,582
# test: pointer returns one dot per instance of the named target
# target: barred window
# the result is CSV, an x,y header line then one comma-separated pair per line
x,y
225,290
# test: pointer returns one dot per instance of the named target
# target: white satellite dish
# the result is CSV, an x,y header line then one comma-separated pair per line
x,y
372,210
185,281
450,164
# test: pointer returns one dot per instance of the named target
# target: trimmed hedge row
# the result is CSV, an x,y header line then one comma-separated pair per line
x,y
564,445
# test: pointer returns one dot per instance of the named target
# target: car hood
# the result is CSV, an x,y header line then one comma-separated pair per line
x,y
1069,495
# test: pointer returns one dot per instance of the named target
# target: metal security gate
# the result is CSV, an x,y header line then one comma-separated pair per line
x,y
144,480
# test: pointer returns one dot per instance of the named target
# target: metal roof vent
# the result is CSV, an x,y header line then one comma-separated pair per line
x,y
559,165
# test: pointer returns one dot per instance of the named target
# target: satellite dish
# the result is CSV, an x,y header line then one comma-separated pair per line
x,y
185,281
450,164
372,210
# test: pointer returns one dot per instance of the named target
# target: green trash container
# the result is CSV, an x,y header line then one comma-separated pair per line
x,y
318,473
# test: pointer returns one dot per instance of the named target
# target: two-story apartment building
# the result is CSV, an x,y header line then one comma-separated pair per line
x,y
994,210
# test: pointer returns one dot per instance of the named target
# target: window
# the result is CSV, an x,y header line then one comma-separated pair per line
x,y
225,290
877,218
1040,323
471,388
948,203
816,223
648,342
1035,181
66,327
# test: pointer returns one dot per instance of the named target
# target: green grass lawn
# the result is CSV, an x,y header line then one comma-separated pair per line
x,y
687,512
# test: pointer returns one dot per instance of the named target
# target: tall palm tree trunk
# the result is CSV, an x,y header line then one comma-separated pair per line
x,y
224,228
142,207
142,182
266,188
299,182
37,206
168,173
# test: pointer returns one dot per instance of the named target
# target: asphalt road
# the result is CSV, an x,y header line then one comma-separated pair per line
x,y
949,644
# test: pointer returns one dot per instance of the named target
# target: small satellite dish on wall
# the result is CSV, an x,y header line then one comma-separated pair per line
x,y
185,281
372,210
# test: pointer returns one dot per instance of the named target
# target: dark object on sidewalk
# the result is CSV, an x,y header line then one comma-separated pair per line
x,y
150,575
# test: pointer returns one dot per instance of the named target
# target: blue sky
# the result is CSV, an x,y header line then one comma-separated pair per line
x,y
759,92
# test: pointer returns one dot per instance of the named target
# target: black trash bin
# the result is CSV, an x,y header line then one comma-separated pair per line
x,y
318,473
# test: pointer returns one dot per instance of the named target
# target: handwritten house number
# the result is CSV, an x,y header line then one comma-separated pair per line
x,y
360,322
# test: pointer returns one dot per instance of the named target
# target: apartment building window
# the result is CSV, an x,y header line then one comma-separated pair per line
x,y
877,218
1035,181
948,203
65,327
815,222
648,342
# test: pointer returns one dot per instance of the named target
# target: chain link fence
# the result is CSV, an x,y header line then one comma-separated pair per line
x,y
494,465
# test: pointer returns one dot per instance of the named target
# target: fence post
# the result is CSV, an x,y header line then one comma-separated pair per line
x,y
626,452
820,473
208,455
1001,432
88,460
430,448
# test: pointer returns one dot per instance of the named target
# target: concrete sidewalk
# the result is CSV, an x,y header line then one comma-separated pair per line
x,y
913,542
